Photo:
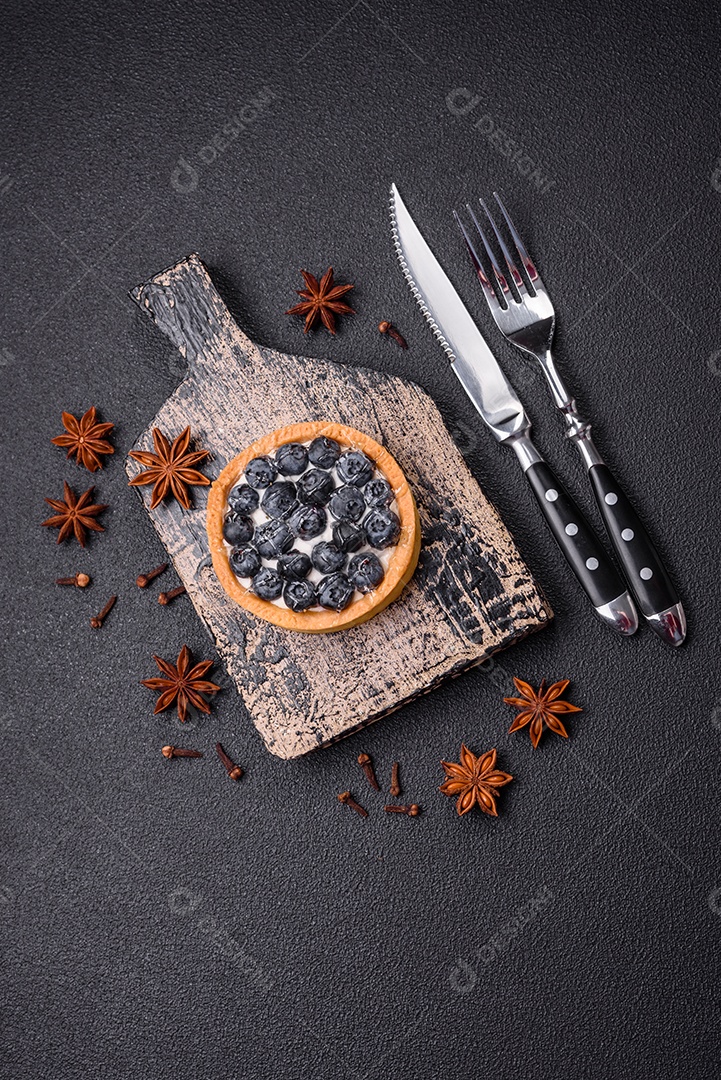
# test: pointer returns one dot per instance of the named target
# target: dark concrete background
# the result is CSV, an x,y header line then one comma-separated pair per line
x,y
160,921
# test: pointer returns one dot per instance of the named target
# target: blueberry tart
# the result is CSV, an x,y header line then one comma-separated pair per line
x,y
313,528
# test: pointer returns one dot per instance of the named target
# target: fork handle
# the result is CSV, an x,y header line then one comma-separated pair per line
x,y
646,574
578,542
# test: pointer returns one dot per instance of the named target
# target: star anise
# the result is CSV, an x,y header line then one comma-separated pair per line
x,y
475,781
321,300
539,707
85,438
75,514
182,684
170,468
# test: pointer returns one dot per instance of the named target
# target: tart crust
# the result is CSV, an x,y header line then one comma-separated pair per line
x,y
403,561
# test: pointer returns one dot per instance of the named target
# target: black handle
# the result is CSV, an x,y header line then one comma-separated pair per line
x,y
646,574
574,536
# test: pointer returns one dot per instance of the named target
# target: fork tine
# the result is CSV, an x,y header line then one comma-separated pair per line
x,y
512,268
499,276
478,266
526,259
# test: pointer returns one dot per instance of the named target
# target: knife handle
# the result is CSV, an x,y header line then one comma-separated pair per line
x,y
646,574
578,542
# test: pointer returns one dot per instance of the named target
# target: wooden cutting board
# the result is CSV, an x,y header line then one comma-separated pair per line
x,y
471,595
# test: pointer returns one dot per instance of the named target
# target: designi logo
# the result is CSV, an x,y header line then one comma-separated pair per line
x,y
463,978
185,177
461,102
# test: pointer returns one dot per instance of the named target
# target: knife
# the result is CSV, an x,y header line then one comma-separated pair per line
x,y
499,407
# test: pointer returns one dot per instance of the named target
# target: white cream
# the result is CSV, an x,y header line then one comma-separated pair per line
x,y
259,517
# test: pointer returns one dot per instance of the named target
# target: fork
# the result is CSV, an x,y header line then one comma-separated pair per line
x,y
524,313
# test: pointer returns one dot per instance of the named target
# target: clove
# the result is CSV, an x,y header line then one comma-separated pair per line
x,y
366,764
97,620
177,751
386,327
143,580
412,811
79,580
234,771
347,799
166,597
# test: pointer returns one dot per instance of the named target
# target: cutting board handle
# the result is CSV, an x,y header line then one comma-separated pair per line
x,y
184,303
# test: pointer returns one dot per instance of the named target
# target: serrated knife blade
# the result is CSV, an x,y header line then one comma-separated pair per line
x,y
471,359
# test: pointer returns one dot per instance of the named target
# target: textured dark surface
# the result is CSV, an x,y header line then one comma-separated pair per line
x,y
161,921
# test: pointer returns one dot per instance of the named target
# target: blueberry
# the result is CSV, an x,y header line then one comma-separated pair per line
x,y
260,472
382,528
300,595
335,592
307,522
273,539
366,571
279,499
291,459
294,566
347,503
267,584
315,487
355,468
237,528
327,558
378,492
245,561
348,537
243,499
324,452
